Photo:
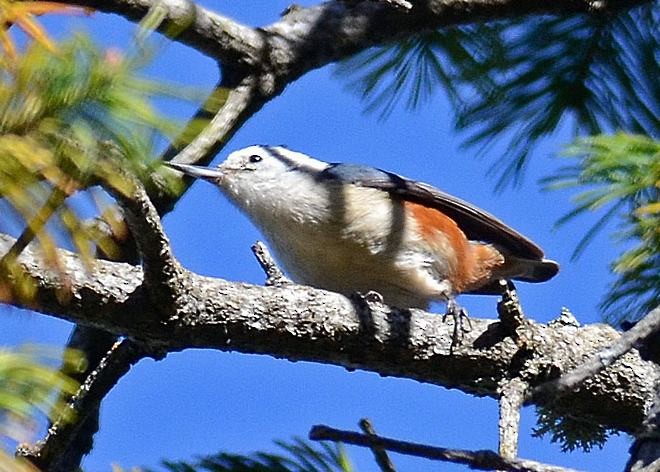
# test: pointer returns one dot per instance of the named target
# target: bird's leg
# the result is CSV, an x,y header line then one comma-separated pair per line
x,y
462,323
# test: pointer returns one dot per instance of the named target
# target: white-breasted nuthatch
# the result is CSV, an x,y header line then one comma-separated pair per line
x,y
352,228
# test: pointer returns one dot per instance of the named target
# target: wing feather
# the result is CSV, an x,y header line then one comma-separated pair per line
x,y
476,223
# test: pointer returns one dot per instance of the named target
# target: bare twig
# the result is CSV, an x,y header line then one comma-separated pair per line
x,y
646,328
512,396
380,454
243,100
55,452
481,460
274,276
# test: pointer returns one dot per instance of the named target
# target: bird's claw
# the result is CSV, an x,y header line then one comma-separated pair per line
x,y
370,298
373,297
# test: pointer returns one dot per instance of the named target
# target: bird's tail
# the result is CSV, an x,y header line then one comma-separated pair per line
x,y
531,270
528,270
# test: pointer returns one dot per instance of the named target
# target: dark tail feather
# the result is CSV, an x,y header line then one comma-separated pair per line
x,y
527,270
533,270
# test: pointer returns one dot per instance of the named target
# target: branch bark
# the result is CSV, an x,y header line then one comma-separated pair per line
x,y
648,327
210,33
302,323
512,397
351,25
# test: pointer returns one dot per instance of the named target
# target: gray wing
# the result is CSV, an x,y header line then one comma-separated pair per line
x,y
477,224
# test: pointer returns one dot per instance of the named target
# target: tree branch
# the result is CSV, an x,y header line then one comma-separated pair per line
x,y
646,328
512,397
210,33
162,272
645,451
359,25
258,63
380,454
55,453
303,323
480,460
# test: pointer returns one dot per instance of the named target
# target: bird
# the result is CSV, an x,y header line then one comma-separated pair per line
x,y
356,229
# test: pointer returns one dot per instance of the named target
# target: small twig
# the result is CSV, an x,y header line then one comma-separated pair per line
x,y
380,454
242,101
35,225
638,334
55,452
481,460
274,276
512,396
508,308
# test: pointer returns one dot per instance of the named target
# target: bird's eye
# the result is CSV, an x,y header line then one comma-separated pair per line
x,y
254,158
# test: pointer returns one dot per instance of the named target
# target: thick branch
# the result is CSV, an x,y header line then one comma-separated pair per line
x,y
302,323
216,36
646,328
512,397
350,26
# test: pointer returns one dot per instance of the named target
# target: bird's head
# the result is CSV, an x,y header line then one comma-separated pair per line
x,y
262,179
255,166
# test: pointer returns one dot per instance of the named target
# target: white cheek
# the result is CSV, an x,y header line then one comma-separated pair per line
x,y
275,199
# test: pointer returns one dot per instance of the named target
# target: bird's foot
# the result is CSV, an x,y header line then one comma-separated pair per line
x,y
374,297
462,323
367,304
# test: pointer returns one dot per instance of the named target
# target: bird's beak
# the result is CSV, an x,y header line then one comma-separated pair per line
x,y
198,172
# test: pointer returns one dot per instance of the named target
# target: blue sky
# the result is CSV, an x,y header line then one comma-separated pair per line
x,y
200,402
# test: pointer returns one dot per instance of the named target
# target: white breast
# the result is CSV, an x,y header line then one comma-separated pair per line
x,y
347,239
